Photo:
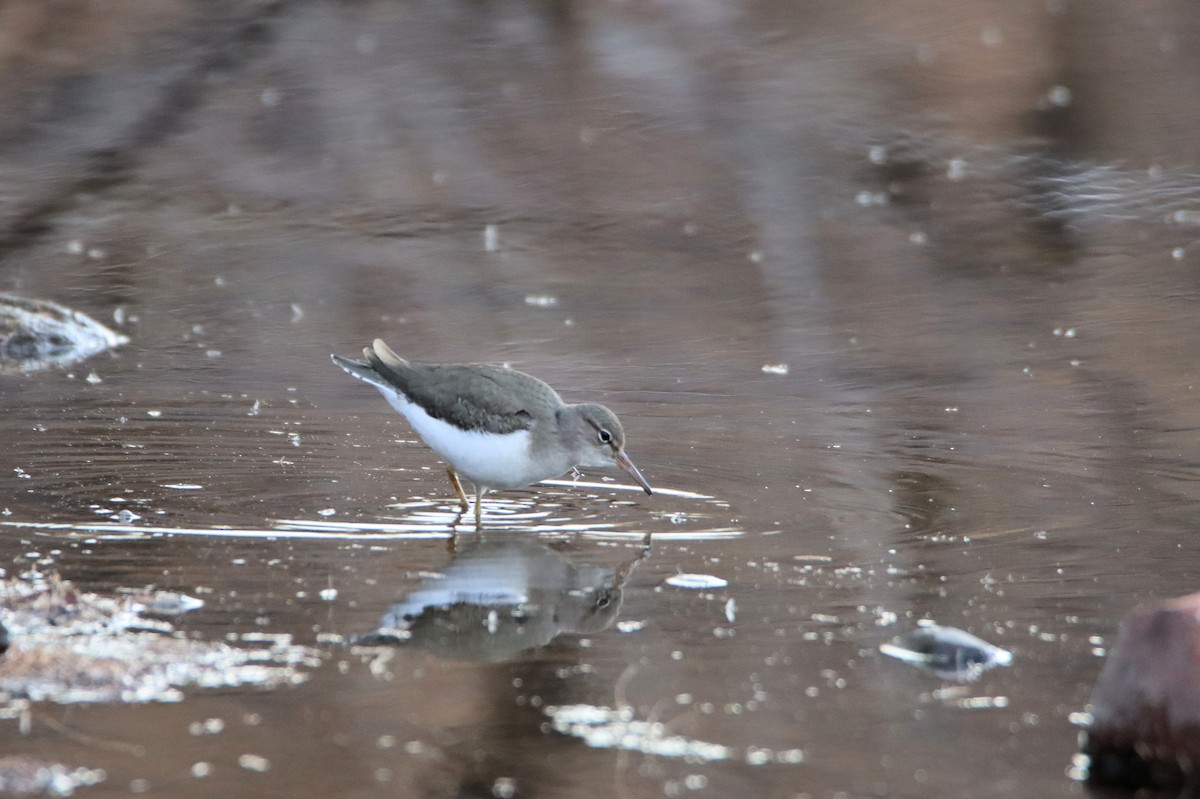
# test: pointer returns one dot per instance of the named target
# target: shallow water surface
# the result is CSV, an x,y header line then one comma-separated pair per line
x,y
898,306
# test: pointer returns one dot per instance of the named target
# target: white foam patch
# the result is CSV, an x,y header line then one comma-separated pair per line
x,y
666,492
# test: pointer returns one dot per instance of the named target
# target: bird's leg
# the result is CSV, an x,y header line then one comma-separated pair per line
x,y
462,498
479,490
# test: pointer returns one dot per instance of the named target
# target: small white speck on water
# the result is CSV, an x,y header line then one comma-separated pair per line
x,y
366,43
270,97
731,610
756,257
493,622
328,594
327,511
75,247
126,516
696,581
210,726
297,312
877,154
1059,96
255,409
93,378
182,486
213,353
541,300
504,788
96,253
201,770
154,414
775,368
1177,253
219,280
490,238
630,625
991,36
254,763
956,169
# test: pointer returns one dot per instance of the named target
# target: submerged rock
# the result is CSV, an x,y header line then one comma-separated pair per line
x,y
948,652
39,334
1145,707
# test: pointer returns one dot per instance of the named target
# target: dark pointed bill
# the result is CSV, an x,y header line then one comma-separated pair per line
x,y
626,464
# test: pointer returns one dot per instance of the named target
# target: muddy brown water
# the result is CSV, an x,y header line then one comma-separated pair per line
x,y
898,304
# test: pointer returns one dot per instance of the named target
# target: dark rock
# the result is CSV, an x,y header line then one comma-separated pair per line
x,y
38,334
947,652
1145,728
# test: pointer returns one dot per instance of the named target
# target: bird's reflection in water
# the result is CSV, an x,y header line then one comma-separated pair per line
x,y
495,599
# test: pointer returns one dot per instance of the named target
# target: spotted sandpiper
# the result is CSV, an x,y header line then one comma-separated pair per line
x,y
497,427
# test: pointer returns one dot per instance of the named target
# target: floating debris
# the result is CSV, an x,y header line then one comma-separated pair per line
x,y
609,728
947,652
165,603
21,775
39,334
696,582
70,646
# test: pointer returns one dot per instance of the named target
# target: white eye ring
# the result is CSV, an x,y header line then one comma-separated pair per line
x,y
605,437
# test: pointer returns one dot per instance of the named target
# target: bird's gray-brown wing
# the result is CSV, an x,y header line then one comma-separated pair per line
x,y
473,397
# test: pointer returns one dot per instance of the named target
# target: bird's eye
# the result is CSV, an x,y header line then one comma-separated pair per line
x,y
605,437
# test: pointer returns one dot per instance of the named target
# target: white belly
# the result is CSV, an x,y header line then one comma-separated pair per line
x,y
486,459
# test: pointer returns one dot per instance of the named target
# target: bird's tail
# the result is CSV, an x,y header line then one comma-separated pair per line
x,y
381,355
378,365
